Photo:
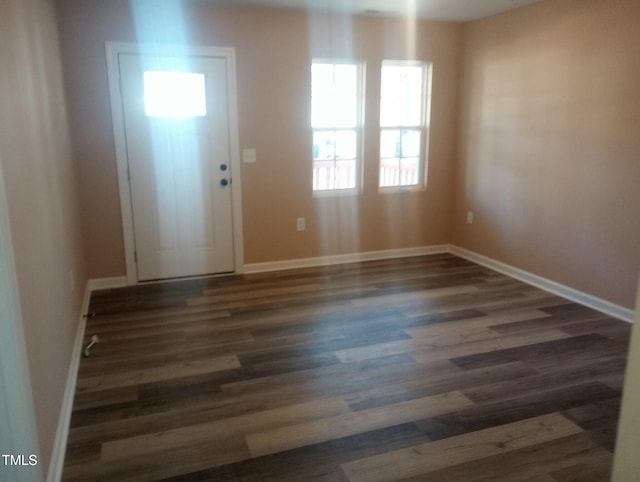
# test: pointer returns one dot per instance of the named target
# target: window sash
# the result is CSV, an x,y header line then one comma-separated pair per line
x,y
404,119
336,124
335,165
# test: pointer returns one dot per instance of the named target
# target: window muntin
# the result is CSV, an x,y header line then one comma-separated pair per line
x,y
404,99
174,94
336,121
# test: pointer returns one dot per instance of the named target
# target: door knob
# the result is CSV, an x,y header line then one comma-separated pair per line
x,y
224,182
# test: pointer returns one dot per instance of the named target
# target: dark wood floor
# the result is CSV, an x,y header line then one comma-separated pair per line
x,y
429,368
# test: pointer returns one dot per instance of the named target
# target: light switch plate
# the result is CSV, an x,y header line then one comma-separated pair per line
x,y
248,155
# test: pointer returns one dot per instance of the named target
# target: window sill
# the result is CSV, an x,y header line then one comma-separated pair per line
x,y
401,189
329,193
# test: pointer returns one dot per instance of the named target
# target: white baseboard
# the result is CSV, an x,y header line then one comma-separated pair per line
x,y
343,258
604,306
107,283
62,432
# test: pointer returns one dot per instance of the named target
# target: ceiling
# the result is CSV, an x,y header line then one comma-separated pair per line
x,y
445,10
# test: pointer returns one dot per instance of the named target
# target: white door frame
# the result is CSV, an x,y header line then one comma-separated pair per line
x,y
113,49
18,434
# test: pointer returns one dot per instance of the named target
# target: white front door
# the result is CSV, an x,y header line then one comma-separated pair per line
x,y
177,136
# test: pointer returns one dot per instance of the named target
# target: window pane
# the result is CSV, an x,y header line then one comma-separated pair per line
x,y
334,95
412,81
321,80
391,81
324,145
390,112
330,145
402,99
399,143
400,111
410,143
334,112
345,145
389,144
411,108
346,81
174,94
322,112
345,112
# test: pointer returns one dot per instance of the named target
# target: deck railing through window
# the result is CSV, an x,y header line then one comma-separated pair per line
x,y
341,175
334,175
394,173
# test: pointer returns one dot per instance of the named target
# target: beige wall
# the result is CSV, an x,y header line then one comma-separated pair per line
x,y
40,189
549,148
274,50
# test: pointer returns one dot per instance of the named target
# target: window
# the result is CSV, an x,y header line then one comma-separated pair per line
x,y
336,121
174,94
404,122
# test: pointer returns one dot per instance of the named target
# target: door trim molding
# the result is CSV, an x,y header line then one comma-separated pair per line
x,y
113,49
18,431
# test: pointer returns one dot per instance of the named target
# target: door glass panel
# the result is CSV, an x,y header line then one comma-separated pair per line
x,y
174,94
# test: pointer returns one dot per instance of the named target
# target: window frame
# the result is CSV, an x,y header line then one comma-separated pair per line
x,y
423,127
359,128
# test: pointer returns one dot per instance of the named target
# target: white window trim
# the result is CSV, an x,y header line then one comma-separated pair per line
x,y
425,127
359,128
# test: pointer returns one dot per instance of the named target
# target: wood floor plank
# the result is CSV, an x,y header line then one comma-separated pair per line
x,y
501,299
444,381
473,329
265,292
536,382
481,417
275,299
158,466
597,469
479,321
111,324
318,462
421,350
106,397
350,376
529,463
550,353
556,321
294,436
392,299
429,457
222,429
164,372
189,414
